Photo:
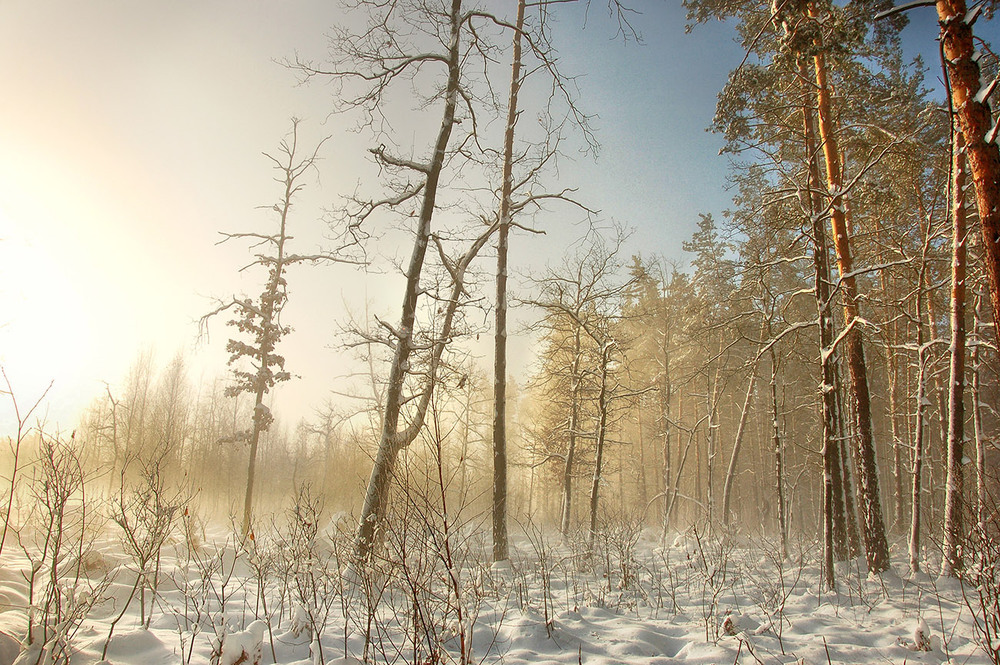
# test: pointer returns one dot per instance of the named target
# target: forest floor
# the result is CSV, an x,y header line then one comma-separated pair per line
x,y
696,600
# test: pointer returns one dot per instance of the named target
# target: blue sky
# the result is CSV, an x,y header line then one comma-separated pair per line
x,y
131,135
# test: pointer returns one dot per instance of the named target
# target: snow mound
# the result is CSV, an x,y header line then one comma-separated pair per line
x,y
245,647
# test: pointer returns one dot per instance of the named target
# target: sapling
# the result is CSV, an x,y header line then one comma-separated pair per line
x,y
59,596
262,558
145,514
22,432
983,597
311,564
712,563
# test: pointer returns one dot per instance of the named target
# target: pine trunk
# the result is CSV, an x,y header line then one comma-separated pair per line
x,y
951,561
975,121
812,203
873,529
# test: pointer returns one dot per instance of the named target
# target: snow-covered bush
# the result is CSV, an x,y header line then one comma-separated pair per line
x,y
313,575
244,647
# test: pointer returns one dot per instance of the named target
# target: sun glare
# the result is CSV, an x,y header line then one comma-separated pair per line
x,y
45,332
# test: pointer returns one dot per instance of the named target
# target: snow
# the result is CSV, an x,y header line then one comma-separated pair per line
x,y
246,646
696,600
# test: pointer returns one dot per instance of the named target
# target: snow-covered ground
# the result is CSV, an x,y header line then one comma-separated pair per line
x,y
696,600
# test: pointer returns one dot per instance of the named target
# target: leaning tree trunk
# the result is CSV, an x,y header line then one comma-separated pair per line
x,y
727,487
500,549
390,439
951,561
873,530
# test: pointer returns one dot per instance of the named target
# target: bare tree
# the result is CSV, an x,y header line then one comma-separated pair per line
x,y
261,318
580,299
500,549
404,41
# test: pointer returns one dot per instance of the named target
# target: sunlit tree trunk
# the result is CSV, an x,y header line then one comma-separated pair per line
x,y
873,528
812,204
975,121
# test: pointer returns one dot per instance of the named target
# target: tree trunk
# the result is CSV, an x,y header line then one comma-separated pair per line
x,y
574,424
977,424
258,415
666,393
847,485
713,443
779,458
876,546
602,429
727,487
641,479
951,561
975,121
892,365
500,550
812,203
390,441
918,440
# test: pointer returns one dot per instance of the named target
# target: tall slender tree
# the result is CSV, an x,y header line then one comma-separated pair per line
x,y
951,561
260,318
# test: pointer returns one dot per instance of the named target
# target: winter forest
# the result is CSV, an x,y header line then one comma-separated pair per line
x,y
782,449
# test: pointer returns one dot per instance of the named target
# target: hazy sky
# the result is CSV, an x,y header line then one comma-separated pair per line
x,y
131,133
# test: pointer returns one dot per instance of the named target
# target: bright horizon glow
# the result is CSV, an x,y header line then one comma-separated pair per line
x,y
41,302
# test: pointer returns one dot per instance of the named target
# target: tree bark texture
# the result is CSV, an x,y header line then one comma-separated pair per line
x,y
873,527
951,561
976,123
